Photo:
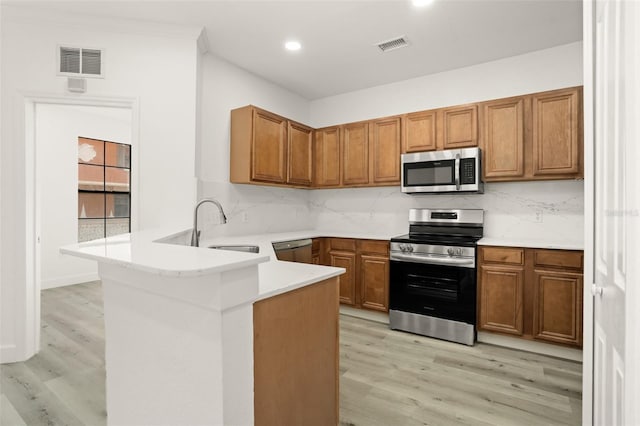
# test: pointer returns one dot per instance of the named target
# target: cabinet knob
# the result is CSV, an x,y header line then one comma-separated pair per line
x,y
596,290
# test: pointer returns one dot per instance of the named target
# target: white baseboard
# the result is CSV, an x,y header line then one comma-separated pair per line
x,y
69,280
530,346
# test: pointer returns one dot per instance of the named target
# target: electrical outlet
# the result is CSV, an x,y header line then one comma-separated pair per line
x,y
538,217
245,217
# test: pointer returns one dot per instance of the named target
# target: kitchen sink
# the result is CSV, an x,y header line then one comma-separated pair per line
x,y
244,248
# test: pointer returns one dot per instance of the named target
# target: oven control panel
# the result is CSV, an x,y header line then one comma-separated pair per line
x,y
464,257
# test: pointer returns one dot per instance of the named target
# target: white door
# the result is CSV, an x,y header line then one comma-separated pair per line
x,y
615,253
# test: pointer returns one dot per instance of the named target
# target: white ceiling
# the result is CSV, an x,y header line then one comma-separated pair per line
x,y
338,53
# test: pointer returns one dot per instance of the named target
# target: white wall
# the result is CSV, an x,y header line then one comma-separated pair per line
x,y
154,67
510,207
266,209
547,69
57,130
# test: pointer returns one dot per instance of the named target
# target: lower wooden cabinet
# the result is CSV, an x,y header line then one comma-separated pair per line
x,y
531,293
501,299
557,301
346,260
365,284
316,244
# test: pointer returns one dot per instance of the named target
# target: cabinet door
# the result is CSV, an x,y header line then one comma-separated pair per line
x,y
268,151
374,281
557,307
385,146
299,149
501,299
420,131
460,127
355,154
327,153
503,142
556,133
346,260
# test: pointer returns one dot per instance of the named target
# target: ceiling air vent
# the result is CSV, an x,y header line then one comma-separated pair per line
x,y
393,44
82,62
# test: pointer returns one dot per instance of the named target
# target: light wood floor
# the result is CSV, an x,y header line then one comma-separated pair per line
x,y
387,377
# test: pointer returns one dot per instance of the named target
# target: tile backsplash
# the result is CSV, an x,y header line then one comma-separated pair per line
x,y
519,210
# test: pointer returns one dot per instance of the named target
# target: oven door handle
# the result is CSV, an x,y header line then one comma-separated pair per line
x,y
433,260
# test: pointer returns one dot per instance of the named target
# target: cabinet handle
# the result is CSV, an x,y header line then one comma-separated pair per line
x,y
457,172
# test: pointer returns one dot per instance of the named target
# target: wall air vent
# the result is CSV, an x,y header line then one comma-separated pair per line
x,y
80,62
393,44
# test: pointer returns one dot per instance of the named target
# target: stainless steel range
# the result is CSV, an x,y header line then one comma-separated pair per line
x,y
432,289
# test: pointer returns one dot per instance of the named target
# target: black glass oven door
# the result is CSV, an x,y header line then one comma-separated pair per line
x,y
442,291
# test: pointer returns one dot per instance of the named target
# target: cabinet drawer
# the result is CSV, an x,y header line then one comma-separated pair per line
x,y
508,255
374,246
315,245
342,244
558,259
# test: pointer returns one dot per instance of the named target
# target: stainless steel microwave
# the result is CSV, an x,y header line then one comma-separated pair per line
x,y
453,170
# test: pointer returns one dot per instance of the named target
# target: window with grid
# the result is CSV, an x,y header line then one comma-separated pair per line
x,y
104,189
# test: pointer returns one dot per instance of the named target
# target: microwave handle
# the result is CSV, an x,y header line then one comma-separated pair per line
x,y
457,172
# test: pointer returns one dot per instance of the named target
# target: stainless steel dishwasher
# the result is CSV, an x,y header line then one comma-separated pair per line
x,y
294,250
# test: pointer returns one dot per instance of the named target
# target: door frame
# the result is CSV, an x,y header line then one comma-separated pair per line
x,y
588,15
30,309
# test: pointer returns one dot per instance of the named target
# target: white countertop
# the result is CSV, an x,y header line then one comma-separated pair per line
x,y
276,277
167,253
532,243
140,251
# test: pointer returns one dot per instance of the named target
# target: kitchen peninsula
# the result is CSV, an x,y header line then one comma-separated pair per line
x,y
195,336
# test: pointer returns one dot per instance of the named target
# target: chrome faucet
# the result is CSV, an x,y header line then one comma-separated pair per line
x,y
195,234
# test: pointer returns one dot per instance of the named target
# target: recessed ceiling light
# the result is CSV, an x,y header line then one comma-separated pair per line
x,y
292,45
421,3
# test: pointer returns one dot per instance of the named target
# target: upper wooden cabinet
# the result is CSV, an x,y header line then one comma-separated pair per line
x,y
533,137
556,132
460,127
530,137
384,142
419,131
438,129
327,157
358,154
300,149
503,135
355,154
269,149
